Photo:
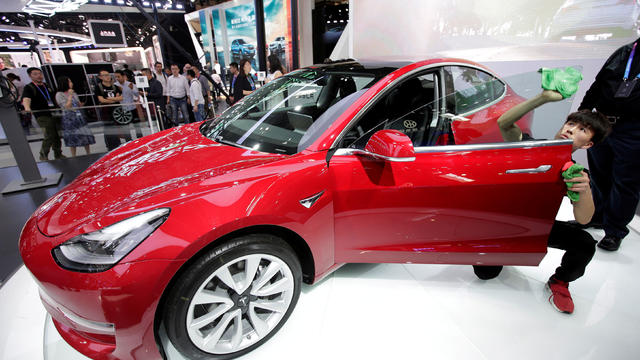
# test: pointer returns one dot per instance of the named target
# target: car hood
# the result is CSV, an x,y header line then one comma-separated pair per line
x,y
140,170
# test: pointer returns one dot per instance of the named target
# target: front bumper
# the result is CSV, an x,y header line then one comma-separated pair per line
x,y
106,315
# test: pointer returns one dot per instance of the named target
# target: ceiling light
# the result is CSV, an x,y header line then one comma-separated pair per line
x,y
50,7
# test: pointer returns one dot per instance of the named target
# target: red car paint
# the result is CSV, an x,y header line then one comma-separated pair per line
x,y
370,211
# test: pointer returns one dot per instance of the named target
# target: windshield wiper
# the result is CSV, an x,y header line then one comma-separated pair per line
x,y
220,140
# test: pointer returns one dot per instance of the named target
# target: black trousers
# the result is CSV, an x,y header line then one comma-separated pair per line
x,y
579,247
615,170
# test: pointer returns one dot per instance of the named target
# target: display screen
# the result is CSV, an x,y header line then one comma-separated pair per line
x,y
107,33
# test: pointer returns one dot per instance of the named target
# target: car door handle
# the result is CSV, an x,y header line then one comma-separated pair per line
x,y
539,169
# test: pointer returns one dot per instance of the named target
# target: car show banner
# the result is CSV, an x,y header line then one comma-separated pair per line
x,y
277,26
241,33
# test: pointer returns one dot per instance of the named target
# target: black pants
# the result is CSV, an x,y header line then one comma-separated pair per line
x,y
615,170
579,248
51,126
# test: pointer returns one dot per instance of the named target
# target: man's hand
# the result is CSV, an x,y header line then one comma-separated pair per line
x,y
195,108
551,95
581,183
583,209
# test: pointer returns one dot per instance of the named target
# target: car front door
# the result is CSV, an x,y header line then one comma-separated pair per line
x,y
484,204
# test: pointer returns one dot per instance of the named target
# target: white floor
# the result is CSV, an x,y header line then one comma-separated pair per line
x,y
395,311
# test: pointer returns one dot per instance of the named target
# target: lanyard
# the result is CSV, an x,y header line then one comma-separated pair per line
x,y
628,68
253,85
47,97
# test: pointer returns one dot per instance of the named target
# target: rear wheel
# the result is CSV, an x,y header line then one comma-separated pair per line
x,y
233,298
486,272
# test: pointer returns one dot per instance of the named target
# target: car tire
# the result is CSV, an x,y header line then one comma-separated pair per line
x,y
487,272
233,298
122,117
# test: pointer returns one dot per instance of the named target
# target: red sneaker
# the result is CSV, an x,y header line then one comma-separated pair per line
x,y
560,297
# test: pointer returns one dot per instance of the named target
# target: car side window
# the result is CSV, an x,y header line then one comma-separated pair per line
x,y
410,107
472,89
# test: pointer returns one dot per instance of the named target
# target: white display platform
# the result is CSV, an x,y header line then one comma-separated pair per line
x,y
399,311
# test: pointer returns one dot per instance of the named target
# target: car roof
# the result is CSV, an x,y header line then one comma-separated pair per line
x,y
377,62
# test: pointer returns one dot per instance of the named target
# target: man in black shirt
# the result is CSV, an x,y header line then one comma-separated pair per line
x,y
584,128
38,96
615,164
108,95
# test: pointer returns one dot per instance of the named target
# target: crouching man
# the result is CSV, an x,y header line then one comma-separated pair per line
x,y
585,128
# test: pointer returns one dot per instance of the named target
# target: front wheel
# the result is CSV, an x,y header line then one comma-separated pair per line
x,y
233,298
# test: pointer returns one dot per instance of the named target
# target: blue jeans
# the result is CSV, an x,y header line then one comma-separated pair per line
x,y
182,105
200,114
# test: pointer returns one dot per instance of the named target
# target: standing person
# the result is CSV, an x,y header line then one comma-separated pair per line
x,y
162,79
129,92
154,92
233,71
584,128
195,93
244,84
218,86
186,68
615,164
218,70
275,67
75,131
177,95
206,89
18,86
109,95
39,97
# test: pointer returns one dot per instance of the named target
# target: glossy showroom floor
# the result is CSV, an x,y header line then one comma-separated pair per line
x,y
415,312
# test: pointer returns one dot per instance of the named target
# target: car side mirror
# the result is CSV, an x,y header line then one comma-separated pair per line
x,y
390,145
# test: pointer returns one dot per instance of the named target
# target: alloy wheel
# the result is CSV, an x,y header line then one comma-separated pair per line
x,y
240,303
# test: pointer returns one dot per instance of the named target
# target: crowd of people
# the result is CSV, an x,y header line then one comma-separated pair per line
x,y
181,94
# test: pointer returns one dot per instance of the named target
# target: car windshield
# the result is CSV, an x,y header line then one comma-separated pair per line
x,y
291,112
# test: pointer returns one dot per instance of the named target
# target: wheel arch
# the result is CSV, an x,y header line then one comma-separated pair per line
x,y
297,243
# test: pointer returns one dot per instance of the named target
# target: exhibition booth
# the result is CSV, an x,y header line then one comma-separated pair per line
x,y
351,208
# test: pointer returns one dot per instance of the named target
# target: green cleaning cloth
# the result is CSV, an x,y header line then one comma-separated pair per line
x,y
569,172
565,81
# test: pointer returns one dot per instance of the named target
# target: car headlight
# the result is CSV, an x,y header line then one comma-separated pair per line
x,y
100,250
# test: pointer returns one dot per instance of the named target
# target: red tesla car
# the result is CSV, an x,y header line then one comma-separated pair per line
x,y
209,229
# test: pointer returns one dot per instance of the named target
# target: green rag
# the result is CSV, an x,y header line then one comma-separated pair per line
x,y
565,81
570,173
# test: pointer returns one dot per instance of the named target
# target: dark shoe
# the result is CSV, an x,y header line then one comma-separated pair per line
x,y
591,224
43,157
60,156
560,297
610,243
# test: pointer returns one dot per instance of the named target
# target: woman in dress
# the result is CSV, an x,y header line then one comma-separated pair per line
x,y
75,131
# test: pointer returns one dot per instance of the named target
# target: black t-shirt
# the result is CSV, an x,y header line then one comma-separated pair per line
x,y
40,96
107,91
